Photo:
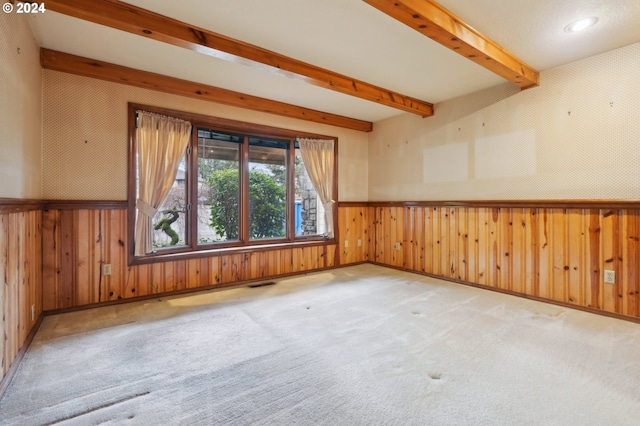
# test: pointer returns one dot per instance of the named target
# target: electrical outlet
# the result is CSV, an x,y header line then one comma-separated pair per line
x,y
359,242
609,276
346,243
397,246
106,269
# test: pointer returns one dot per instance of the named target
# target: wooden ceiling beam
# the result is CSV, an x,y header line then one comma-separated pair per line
x,y
58,61
148,24
434,21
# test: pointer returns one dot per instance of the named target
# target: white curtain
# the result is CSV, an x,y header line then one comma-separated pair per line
x,y
161,144
317,156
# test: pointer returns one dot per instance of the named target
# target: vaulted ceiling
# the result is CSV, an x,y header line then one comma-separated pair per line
x,y
343,62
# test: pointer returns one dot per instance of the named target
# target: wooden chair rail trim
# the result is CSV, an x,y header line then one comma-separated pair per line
x,y
353,204
14,205
84,205
567,204
17,205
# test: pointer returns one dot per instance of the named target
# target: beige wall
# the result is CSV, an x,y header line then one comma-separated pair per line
x,y
85,137
576,136
20,109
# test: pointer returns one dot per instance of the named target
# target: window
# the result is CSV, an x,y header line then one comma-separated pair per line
x,y
218,193
237,185
168,222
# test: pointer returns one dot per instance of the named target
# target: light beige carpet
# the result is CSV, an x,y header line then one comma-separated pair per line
x,y
363,345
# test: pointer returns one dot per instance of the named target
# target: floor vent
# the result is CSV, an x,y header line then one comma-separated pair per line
x,y
261,284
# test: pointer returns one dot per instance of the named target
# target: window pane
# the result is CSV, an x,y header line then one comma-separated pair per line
x,y
169,223
267,187
310,219
218,186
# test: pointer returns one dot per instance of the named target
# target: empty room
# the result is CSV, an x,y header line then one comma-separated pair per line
x,y
337,212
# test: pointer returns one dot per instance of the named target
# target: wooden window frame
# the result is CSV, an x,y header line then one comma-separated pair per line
x,y
244,244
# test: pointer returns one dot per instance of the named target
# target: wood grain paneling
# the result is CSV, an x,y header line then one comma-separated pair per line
x,y
353,234
553,253
87,67
78,242
444,27
167,30
21,284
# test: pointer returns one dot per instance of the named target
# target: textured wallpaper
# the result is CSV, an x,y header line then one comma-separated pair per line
x,y
85,137
576,136
20,109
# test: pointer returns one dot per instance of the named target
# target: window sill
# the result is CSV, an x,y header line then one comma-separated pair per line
x,y
160,257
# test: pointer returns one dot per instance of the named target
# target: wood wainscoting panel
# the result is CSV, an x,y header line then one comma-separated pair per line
x,y
353,228
21,281
553,253
630,288
50,258
78,242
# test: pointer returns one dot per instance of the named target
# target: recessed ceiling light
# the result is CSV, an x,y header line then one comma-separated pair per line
x,y
581,24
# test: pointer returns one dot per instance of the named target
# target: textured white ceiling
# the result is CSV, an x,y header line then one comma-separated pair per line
x,y
351,38
534,30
